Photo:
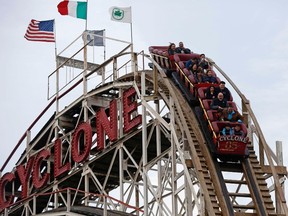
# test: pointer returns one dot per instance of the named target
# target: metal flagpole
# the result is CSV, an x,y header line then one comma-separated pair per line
x,y
131,31
85,55
133,57
85,78
54,30
57,72
86,21
104,42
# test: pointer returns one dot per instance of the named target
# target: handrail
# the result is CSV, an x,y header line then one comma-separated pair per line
x,y
68,59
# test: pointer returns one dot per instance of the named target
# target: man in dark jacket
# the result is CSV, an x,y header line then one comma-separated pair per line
x,y
225,91
203,63
219,103
182,49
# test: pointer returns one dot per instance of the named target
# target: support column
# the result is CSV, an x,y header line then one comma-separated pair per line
x,y
121,177
159,167
55,189
114,69
68,200
121,154
188,163
173,161
144,147
87,188
279,155
85,67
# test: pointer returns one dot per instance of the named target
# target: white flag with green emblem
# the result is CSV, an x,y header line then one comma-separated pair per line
x,y
121,14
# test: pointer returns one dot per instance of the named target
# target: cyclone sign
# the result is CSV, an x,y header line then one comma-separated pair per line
x,y
232,144
36,173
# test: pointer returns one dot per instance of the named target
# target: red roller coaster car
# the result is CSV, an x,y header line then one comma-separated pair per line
x,y
228,147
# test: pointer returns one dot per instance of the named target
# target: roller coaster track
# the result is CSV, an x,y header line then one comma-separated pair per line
x,y
172,142
196,145
210,171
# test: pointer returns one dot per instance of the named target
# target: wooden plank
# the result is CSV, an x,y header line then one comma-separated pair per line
x,y
280,170
244,206
240,194
245,214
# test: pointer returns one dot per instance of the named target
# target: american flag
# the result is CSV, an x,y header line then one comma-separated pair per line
x,y
40,31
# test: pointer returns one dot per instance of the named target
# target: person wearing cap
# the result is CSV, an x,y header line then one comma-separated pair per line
x,y
225,91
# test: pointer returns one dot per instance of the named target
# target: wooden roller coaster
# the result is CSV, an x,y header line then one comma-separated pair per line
x,y
132,144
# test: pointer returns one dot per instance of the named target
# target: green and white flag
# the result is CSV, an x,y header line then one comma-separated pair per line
x,y
121,14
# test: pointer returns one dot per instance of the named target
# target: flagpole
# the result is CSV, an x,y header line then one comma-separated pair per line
x,y
57,72
85,79
86,17
133,59
85,55
55,46
54,26
103,71
131,31
104,44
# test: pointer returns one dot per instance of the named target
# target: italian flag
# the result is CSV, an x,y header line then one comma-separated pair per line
x,y
73,8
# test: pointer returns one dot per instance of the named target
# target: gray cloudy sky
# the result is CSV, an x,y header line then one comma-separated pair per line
x,y
247,39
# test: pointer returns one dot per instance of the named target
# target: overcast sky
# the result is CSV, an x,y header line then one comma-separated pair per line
x,y
247,39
